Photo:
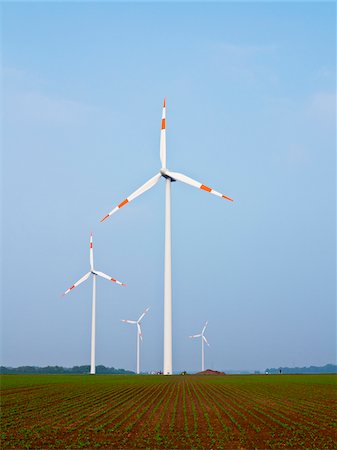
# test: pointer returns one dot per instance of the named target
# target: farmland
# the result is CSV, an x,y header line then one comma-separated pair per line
x,y
112,411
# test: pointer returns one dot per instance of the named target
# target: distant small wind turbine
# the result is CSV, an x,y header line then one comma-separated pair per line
x,y
203,339
169,177
93,316
139,335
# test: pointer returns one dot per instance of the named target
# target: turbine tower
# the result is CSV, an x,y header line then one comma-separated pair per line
x,y
203,339
139,335
169,177
94,273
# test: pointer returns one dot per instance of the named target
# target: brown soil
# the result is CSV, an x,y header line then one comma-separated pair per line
x,y
178,412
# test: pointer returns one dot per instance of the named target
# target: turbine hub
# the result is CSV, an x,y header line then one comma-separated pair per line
x,y
164,174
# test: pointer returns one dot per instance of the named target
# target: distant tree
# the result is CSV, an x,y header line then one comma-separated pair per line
x,y
62,370
328,368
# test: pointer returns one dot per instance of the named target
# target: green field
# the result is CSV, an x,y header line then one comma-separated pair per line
x,y
120,411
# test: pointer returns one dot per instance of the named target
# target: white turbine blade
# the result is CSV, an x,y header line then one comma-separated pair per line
x,y
184,179
139,331
195,336
141,317
91,253
205,326
163,137
85,277
107,277
205,340
129,321
146,186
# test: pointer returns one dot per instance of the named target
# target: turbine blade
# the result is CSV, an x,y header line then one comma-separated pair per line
x,y
184,179
163,137
195,336
85,277
205,326
146,186
107,277
141,317
128,321
91,253
205,340
139,331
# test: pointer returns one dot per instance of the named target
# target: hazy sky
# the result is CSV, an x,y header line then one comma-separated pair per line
x,y
250,91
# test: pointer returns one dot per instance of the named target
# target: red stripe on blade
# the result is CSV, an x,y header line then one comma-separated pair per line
x,y
205,188
112,279
123,203
72,287
228,198
163,124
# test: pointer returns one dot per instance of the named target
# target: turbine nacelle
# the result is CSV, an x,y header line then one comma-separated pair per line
x,y
164,174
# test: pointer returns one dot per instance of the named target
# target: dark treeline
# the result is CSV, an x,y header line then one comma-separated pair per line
x,y
64,370
328,368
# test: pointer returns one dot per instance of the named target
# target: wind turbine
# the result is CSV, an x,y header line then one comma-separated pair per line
x,y
94,273
203,339
169,177
139,333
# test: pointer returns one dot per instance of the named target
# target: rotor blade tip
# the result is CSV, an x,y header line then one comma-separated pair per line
x,y
228,198
123,284
105,218
164,102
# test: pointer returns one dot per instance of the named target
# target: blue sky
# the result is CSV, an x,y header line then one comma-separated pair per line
x,y
250,91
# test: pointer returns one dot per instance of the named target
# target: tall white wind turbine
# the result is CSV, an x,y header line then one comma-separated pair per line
x,y
139,335
169,177
203,339
94,273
